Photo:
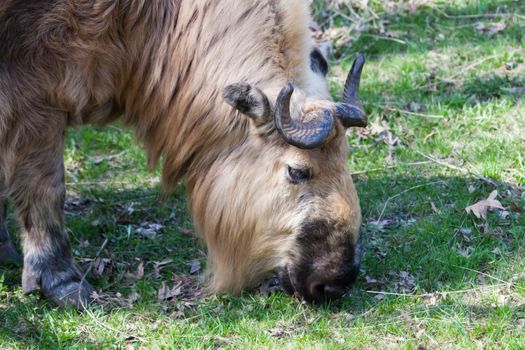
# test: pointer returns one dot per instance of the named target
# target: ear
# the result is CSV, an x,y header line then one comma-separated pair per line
x,y
248,100
318,62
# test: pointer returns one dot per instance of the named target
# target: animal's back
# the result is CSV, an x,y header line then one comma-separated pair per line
x,y
18,26
160,65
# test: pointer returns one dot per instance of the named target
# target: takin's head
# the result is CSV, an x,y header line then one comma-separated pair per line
x,y
283,200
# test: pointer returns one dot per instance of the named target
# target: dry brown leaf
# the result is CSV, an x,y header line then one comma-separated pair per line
x,y
195,266
166,293
106,299
102,266
406,283
490,28
279,332
434,208
480,208
74,203
159,265
137,275
149,229
186,232
372,283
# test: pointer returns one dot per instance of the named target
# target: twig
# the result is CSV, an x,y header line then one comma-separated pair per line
x,y
366,171
399,41
462,170
85,307
473,65
412,113
453,78
90,267
403,192
474,16
484,274
110,182
444,293
103,325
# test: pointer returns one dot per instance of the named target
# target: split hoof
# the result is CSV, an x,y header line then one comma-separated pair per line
x,y
9,255
72,293
63,288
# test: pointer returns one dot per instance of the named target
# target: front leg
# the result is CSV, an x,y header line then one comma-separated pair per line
x,y
8,253
38,192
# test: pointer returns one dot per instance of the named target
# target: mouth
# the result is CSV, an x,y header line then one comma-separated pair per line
x,y
316,293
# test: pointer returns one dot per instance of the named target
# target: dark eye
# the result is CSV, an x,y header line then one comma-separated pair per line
x,y
296,176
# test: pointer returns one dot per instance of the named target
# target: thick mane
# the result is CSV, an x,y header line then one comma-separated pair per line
x,y
176,103
161,67
195,50
205,86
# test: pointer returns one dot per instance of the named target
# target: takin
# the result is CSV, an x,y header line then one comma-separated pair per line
x,y
230,94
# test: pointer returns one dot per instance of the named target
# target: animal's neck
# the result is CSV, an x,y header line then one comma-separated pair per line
x,y
195,49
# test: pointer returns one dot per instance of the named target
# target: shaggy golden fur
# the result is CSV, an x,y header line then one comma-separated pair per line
x,y
161,67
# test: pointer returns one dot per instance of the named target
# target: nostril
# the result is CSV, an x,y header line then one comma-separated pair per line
x,y
333,292
317,290
320,291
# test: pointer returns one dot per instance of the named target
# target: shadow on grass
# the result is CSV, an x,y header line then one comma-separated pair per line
x,y
439,246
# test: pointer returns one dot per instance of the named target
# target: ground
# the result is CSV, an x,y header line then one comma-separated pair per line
x,y
444,87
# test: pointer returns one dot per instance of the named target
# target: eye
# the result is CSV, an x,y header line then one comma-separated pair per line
x,y
296,176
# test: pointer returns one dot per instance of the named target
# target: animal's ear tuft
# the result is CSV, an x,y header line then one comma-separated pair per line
x,y
318,63
248,100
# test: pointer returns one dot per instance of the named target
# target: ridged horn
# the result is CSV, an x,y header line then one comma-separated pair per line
x,y
308,135
350,111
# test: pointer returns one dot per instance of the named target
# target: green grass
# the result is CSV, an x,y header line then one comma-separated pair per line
x,y
433,276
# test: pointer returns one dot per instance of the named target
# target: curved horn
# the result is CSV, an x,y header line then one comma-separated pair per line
x,y
309,135
350,112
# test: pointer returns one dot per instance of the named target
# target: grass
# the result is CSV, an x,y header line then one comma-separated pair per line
x,y
445,100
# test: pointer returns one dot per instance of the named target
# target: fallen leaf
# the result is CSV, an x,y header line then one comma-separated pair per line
x,y
465,234
480,208
159,265
221,342
516,207
406,283
185,231
520,322
166,293
76,203
137,275
380,226
379,297
490,28
195,266
516,90
465,252
105,299
414,107
279,332
133,296
372,283
465,231
504,214
149,229
102,266
83,243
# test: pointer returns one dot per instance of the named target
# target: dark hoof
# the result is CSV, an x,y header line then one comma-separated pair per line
x,y
9,255
71,293
63,288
